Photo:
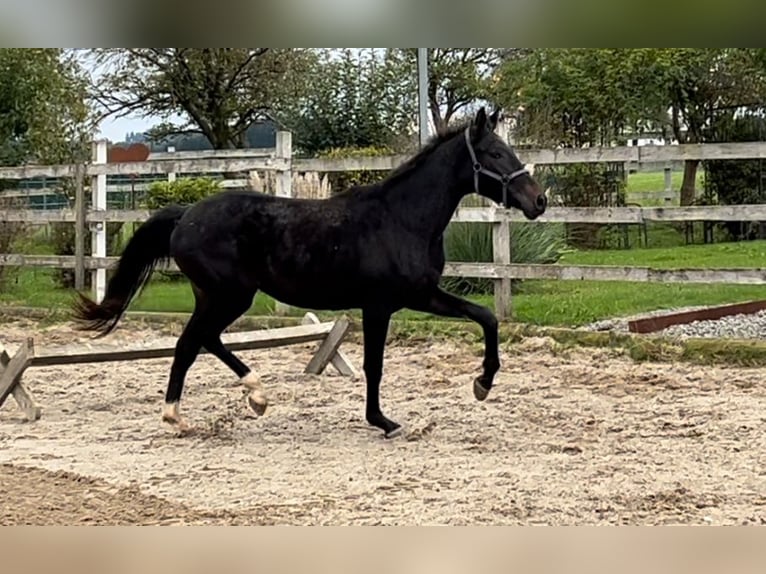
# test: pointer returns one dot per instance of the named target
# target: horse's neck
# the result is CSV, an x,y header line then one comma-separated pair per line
x,y
427,199
427,207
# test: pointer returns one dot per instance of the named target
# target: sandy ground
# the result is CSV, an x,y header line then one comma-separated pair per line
x,y
566,437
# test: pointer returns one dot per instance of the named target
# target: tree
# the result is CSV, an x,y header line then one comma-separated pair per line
x,y
699,86
219,92
353,99
457,77
44,115
577,97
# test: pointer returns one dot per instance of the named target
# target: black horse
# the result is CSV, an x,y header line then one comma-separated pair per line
x,y
378,248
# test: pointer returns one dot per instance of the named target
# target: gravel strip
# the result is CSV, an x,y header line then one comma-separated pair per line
x,y
620,324
750,326
745,326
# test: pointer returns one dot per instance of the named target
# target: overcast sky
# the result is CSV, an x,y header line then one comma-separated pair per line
x,y
115,129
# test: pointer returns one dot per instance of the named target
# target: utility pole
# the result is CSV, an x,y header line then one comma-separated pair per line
x,y
423,93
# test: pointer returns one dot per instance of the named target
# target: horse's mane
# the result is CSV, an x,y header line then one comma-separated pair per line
x,y
423,154
410,165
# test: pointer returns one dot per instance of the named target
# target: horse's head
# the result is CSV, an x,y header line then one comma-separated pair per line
x,y
497,173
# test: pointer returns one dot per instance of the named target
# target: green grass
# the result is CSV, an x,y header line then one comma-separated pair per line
x,y
716,255
574,303
577,302
640,182
35,288
538,302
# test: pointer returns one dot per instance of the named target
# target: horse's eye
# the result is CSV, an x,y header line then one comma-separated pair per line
x,y
496,154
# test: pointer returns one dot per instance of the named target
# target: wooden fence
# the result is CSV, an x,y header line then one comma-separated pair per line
x,y
501,270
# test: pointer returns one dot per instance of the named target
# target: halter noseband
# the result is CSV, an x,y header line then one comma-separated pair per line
x,y
505,179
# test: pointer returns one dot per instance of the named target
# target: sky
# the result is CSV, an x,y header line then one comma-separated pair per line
x,y
115,129
112,128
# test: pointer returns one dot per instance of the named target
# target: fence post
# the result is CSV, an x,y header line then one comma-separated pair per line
x,y
79,230
501,254
668,184
98,228
171,174
283,184
284,151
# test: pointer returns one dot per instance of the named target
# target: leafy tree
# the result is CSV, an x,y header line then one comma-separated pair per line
x,y
699,85
44,116
368,98
219,92
457,77
740,181
353,99
577,97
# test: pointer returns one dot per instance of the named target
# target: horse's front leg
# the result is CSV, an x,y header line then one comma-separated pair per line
x,y
375,328
442,303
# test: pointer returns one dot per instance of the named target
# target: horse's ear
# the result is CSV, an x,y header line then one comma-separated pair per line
x,y
479,124
494,119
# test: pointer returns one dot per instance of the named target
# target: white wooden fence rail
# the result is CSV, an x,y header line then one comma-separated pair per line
x,y
280,161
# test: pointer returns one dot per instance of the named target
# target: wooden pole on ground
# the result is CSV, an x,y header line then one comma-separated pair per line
x,y
328,349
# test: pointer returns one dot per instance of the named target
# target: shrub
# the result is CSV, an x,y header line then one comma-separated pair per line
x,y
541,243
737,182
586,185
342,180
183,191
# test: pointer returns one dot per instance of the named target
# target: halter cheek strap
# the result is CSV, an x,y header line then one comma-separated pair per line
x,y
505,178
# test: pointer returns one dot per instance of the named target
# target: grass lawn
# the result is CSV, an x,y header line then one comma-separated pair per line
x,y
578,302
566,303
539,302
647,181
717,255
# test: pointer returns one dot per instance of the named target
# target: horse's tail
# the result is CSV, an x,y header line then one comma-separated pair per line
x,y
148,246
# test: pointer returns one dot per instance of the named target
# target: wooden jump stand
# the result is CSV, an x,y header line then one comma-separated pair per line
x,y
12,367
11,370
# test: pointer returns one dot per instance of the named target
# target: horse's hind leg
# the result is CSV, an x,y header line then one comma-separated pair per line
x,y
186,351
204,320
223,311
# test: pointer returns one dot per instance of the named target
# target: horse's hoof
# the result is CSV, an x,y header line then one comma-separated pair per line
x,y
181,426
479,391
258,403
172,416
393,433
